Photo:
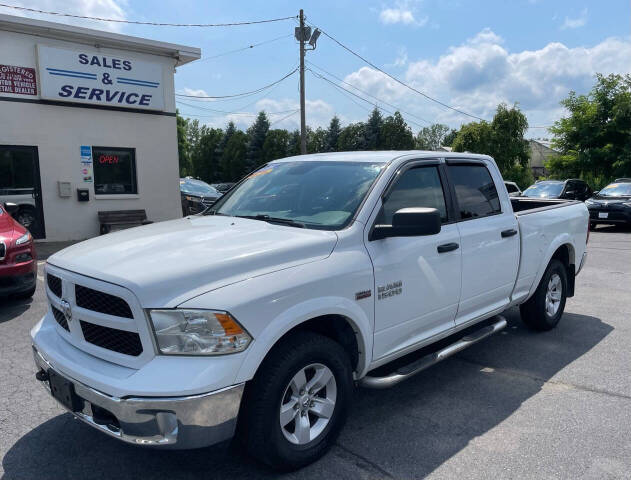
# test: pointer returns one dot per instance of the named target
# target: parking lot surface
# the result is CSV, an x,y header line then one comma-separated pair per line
x,y
517,405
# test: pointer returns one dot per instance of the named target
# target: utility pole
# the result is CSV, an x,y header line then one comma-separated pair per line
x,y
303,120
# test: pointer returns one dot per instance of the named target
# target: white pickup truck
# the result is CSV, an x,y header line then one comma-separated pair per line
x,y
314,274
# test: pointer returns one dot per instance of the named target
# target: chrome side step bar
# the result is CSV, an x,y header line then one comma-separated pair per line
x,y
407,371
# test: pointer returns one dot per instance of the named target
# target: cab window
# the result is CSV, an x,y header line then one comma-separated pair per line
x,y
417,187
475,191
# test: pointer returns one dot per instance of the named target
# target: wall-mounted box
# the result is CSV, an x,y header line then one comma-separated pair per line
x,y
83,194
65,189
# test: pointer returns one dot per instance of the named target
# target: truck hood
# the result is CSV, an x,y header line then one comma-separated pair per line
x,y
167,263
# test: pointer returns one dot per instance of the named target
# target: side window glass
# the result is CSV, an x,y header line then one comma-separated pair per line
x,y
475,191
417,187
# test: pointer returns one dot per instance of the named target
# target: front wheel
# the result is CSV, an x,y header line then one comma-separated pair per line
x,y
544,309
297,403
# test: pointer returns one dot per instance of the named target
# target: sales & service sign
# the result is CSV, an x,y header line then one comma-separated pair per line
x,y
18,80
99,78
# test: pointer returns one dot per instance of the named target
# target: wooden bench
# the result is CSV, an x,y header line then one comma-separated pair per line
x,y
120,219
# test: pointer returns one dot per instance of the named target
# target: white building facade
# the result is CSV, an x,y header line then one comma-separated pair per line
x,y
87,124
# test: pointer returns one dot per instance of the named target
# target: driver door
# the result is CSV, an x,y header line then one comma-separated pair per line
x,y
417,279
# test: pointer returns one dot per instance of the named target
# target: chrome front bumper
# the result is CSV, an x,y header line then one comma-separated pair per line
x,y
178,422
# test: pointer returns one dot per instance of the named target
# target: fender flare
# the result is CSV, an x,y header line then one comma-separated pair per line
x,y
557,242
301,313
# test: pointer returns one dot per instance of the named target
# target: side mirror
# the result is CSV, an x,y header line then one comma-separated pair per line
x,y
570,194
409,222
595,193
11,208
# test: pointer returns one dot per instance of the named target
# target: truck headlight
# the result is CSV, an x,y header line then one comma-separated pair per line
x,y
198,332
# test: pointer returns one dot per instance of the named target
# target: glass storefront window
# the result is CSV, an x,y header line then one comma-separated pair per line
x,y
114,171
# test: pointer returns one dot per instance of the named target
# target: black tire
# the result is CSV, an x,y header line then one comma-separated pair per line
x,y
259,426
533,312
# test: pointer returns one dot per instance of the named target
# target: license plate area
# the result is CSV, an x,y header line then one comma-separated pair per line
x,y
62,390
603,214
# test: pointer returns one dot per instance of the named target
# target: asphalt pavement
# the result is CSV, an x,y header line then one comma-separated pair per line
x,y
517,405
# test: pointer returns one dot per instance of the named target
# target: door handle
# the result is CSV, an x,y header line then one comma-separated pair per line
x,y
509,233
447,247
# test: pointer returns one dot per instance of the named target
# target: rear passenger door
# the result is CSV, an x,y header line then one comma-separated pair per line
x,y
489,239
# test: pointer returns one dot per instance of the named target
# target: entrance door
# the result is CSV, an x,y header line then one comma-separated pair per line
x,y
20,184
417,279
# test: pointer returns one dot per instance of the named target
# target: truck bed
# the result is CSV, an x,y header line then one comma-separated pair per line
x,y
525,205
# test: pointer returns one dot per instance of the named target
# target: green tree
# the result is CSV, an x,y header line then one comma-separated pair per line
x,y
256,138
503,139
595,139
204,160
233,159
332,135
396,134
372,130
276,144
432,137
352,138
293,145
183,147
316,140
228,132
448,139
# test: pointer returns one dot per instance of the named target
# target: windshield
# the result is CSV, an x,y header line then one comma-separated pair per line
x,y
318,194
197,187
544,190
616,190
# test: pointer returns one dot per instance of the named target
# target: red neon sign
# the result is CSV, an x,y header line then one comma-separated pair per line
x,y
108,159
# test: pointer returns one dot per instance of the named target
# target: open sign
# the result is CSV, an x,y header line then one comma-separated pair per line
x,y
108,159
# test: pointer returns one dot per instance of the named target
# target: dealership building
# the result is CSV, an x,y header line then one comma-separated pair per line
x,y
87,125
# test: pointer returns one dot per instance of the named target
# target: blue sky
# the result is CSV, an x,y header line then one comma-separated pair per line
x,y
469,54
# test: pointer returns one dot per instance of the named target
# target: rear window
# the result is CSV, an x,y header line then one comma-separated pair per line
x,y
475,191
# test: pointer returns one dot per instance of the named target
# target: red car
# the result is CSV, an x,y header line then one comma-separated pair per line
x,y
18,261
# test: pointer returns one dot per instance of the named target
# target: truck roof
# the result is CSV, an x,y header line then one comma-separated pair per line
x,y
382,156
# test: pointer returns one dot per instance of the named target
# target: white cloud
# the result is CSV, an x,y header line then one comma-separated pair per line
x,y
480,73
402,58
114,9
403,12
577,22
195,92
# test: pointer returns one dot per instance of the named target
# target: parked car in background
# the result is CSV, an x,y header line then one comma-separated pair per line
x,y
25,201
18,265
223,187
571,189
196,195
513,189
612,204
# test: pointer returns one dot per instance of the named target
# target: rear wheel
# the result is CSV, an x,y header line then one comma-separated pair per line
x,y
297,403
544,309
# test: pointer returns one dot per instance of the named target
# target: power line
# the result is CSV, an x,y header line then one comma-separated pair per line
x,y
243,48
397,80
284,118
248,114
135,22
241,94
355,95
368,94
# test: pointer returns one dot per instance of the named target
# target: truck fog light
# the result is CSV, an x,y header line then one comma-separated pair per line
x,y
198,332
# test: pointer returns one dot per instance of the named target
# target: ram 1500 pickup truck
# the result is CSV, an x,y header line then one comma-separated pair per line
x,y
313,275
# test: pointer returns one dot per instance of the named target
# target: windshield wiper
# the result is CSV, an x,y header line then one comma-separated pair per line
x,y
267,218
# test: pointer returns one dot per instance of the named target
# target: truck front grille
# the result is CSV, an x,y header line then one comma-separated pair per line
x,y
54,283
60,318
101,302
120,341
